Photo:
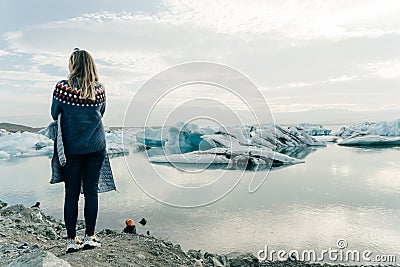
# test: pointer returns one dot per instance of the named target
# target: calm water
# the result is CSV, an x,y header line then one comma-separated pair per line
x,y
339,193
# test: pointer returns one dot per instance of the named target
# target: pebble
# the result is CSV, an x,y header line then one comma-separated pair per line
x,y
195,253
22,246
198,263
41,239
141,256
155,253
35,246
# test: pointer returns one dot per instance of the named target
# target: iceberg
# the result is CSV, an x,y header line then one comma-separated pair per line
x,y
326,138
192,136
238,157
181,135
235,146
278,136
224,140
314,129
24,144
370,140
152,137
117,139
186,135
385,133
3,132
384,128
178,139
114,143
253,148
32,144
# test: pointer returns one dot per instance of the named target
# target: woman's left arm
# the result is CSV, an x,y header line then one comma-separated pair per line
x,y
103,108
103,105
55,109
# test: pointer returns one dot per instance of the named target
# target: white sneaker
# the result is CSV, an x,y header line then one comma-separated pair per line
x,y
90,242
73,245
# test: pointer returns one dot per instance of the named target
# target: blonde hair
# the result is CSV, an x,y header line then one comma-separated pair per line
x,y
83,74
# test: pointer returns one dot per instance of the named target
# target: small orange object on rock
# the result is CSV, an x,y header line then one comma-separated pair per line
x,y
129,222
130,226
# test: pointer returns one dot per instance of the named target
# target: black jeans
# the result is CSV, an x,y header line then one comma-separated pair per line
x,y
81,170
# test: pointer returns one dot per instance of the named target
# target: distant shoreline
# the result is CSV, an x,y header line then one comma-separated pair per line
x,y
11,127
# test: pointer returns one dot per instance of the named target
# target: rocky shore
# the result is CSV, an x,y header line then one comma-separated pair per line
x,y
28,237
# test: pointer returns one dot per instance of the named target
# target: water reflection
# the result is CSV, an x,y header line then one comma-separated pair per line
x,y
340,192
297,152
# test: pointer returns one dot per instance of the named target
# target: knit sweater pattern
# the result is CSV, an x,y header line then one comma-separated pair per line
x,y
81,120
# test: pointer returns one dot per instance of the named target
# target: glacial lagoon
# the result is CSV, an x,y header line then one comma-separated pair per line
x,y
339,192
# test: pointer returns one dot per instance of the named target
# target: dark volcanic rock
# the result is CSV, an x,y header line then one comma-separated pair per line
x,y
2,204
39,259
196,254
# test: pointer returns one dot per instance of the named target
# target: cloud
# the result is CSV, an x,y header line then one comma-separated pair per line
x,y
343,78
384,70
309,52
28,79
12,35
308,19
3,53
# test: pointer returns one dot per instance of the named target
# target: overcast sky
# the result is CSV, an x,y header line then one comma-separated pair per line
x,y
314,61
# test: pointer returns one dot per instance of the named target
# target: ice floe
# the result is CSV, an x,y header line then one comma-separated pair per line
x,y
370,140
235,145
279,136
326,138
386,133
235,157
24,144
314,129
384,128
153,137
31,144
192,136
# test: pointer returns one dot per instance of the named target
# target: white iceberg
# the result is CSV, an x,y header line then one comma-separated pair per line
x,y
314,129
24,144
192,136
153,137
3,132
118,139
370,140
179,138
114,143
28,144
326,138
224,148
219,140
186,135
237,157
278,136
385,128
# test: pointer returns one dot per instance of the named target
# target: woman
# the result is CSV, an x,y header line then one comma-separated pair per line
x,y
81,102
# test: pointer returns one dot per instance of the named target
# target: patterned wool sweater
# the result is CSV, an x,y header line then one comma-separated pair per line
x,y
81,124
